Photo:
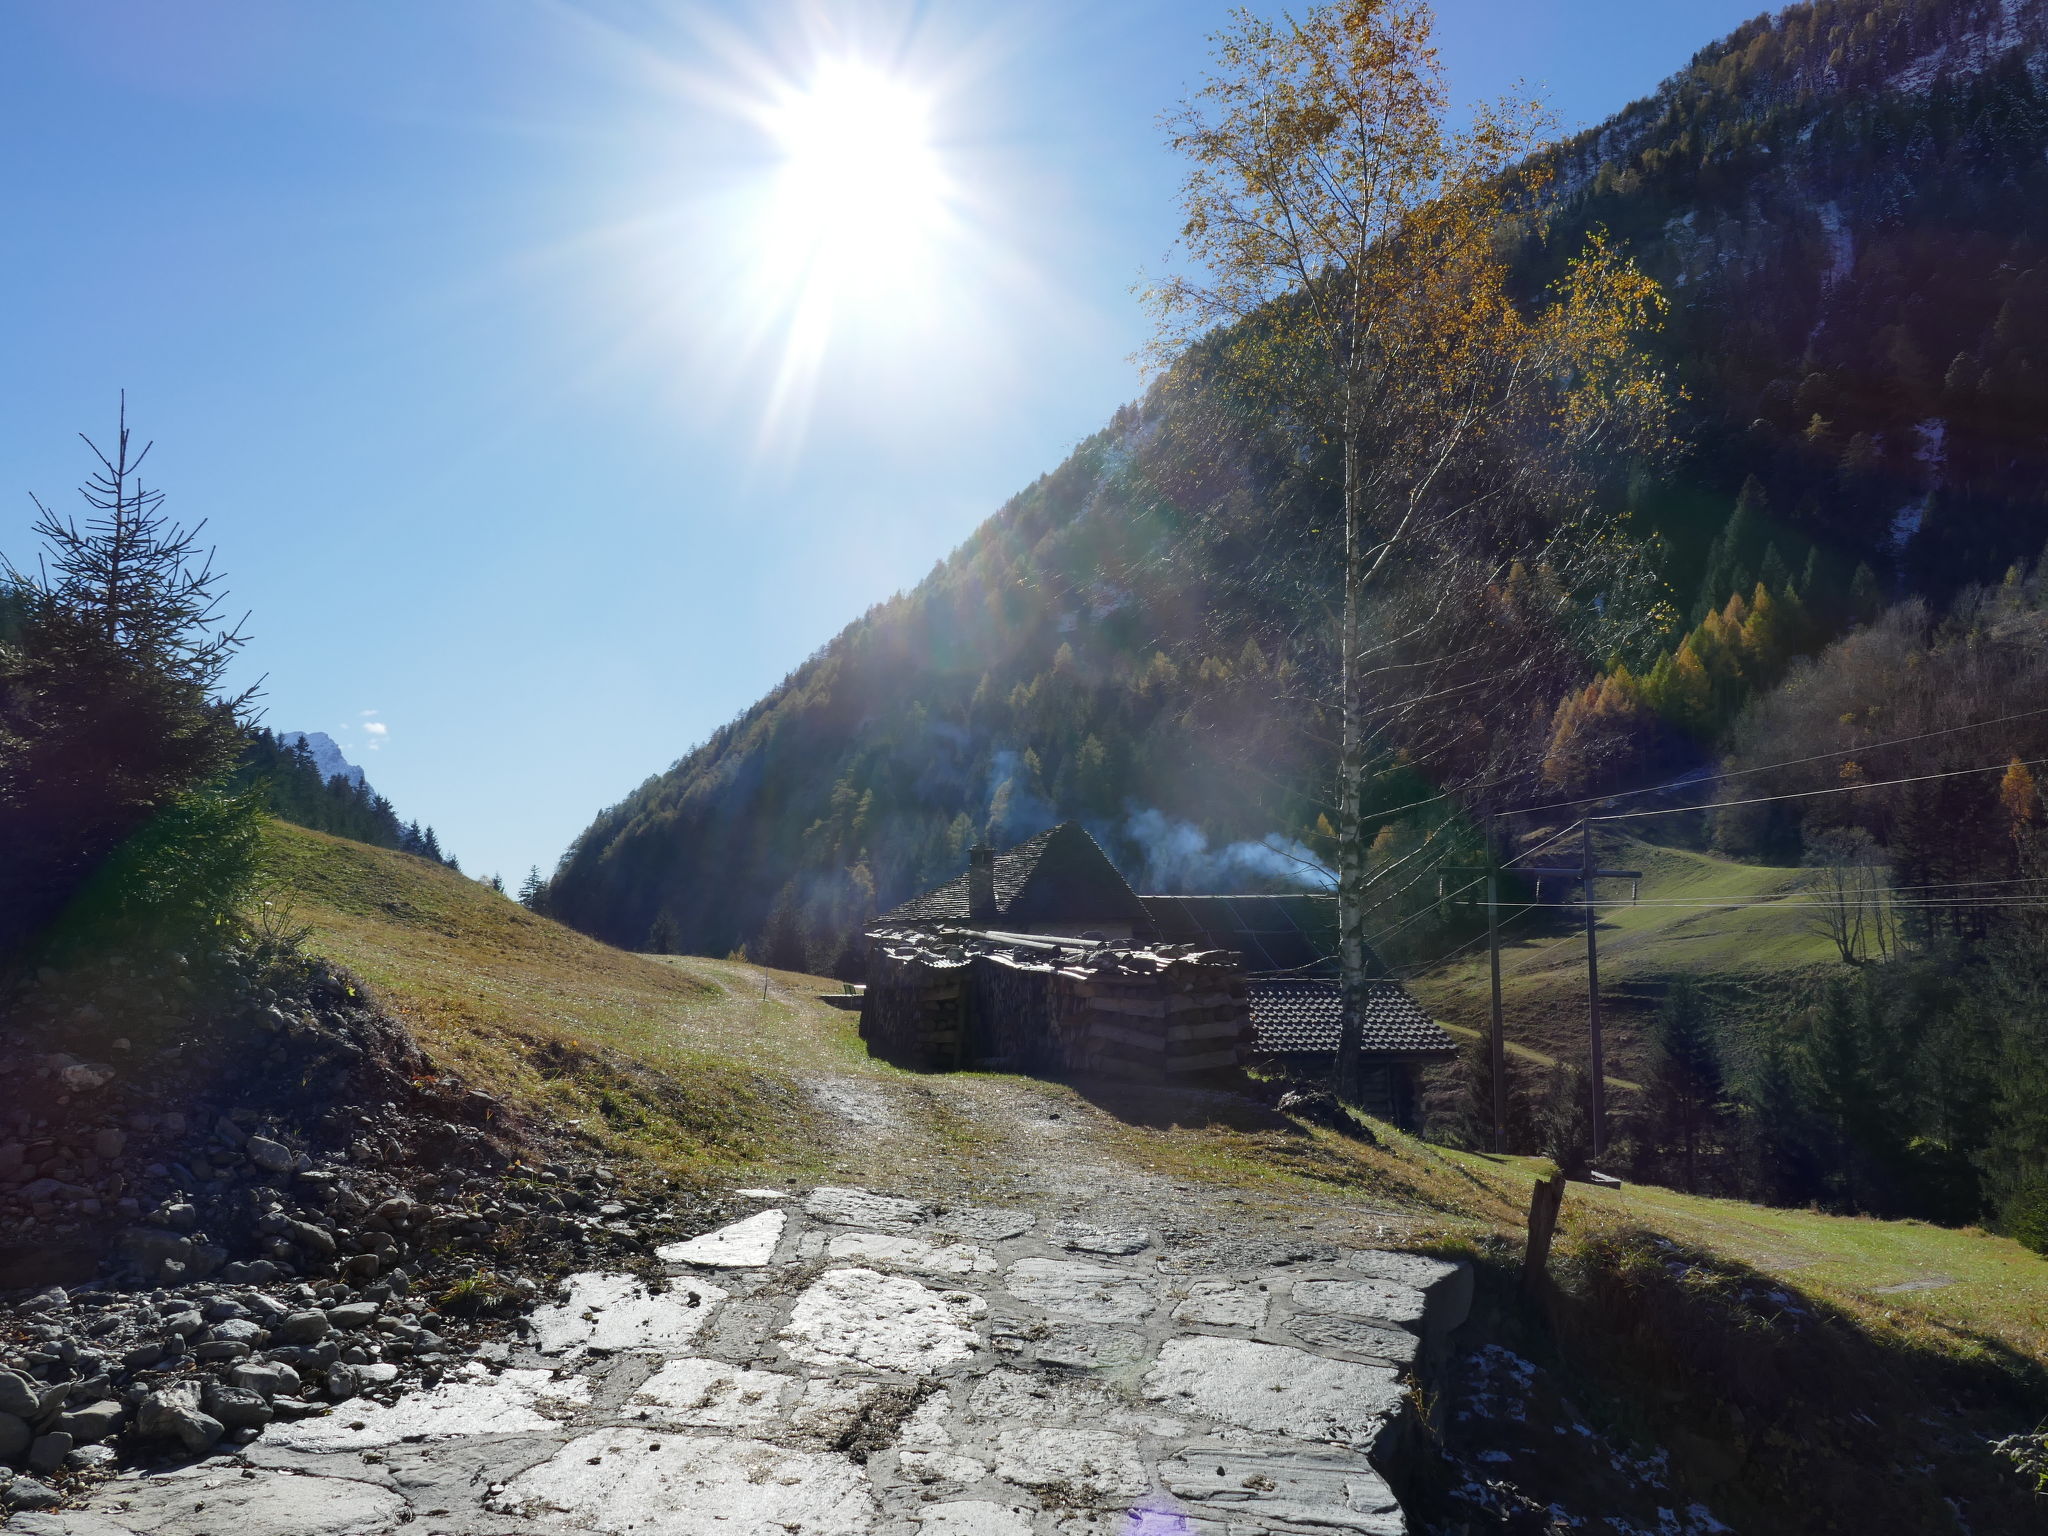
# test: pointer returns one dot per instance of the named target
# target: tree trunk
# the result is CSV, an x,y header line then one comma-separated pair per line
x,y
1351,949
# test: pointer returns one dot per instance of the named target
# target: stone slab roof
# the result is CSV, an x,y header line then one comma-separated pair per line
x,y
1061,875
1293,932
1298,1016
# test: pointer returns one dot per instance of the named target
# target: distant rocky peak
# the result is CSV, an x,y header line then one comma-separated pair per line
x,y
327,756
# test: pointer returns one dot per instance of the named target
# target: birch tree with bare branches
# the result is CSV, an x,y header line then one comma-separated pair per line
x,y
1356,243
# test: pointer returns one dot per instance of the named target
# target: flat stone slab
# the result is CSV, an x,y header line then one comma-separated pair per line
x,y
618,1312
710,1394
984,1224
973,1517
1273,1389
954,1261
214,1502
863,1319
1089,1347
1224,1304
628,1482
1088,1293
1087,1237
476,1403
1379,1301
1354,1335
1005,1396
1314,1485
747,1244
863,1208
1445,1282
1082,1463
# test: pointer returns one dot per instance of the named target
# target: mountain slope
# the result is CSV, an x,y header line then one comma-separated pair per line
x,y
1849,206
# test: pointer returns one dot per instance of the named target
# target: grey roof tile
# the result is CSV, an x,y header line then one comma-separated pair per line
x,y
1299,1016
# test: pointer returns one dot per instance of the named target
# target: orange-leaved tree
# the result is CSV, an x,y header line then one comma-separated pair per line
x,y
1356,243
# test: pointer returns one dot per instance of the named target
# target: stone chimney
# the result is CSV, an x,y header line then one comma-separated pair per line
x,y
981,884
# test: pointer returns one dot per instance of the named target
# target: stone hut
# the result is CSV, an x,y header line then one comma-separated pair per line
x,y
1043,959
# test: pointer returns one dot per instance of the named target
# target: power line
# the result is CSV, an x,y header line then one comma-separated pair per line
x,y
1832,789
1796,762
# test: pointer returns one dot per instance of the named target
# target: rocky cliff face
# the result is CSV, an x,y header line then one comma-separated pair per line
x,y
327,755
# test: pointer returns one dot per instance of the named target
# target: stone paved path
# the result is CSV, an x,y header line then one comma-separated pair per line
x,y
844,1362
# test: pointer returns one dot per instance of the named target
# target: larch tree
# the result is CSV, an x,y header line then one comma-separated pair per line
x,y
1354,244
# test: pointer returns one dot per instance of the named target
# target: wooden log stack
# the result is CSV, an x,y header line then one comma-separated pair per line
x,y
1145,1013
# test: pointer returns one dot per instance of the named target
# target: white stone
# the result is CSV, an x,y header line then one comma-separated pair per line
x,y
953,1262
1005,1396
864,1208
1274,1389
710,1394
1380,1301
1088,1293
747,1244
615,1312
985,1224
973,1517
1447,1283
1314,1485
826,1410
922,1466
475,1403
1090,1346
1356,1336
626,1482
1085,1463
1087,1237
926,1427
860,1318
762,1194
208,1501
1224,1304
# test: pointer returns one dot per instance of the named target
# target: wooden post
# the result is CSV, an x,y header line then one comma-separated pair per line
x,y
1499,1046
1545,1200
1598,1048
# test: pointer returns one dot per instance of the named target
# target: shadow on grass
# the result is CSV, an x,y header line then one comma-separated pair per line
x,y
1778,1412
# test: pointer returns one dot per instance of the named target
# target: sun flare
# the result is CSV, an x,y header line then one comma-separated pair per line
x,y
859,191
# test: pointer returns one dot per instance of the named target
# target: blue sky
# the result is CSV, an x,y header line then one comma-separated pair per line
x,y
452,321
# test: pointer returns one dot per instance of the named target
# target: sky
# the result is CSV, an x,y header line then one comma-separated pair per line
x,y
554,376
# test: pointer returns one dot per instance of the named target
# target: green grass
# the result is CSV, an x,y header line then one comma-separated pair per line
x,y
1994,1289
682,1061
1760,949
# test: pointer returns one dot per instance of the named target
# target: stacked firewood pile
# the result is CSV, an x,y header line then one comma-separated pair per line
x,y
947,998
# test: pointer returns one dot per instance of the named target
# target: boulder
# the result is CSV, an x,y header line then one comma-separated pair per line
x,y
270,1156
46,1453
308,1327
353,1314
173,1413
236,1407
93,1422
15,1436
18,1395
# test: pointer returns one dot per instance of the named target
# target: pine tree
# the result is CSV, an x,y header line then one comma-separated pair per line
x,y
1686,1089
533,891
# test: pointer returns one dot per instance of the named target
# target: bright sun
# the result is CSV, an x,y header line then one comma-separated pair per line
x,y
860,194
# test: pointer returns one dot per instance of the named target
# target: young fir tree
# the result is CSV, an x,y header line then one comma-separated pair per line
x,y
1686,1089
109,711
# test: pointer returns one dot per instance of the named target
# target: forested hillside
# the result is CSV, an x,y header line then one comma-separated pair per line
x,y
1847,206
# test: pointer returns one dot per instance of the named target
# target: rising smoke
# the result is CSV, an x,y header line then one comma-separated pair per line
x,y
1179,860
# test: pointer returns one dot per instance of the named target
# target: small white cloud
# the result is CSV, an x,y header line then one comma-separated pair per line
x,y
367,713
377,731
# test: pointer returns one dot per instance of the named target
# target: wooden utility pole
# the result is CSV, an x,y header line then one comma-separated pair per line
x,y
1497,1046
1586,874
